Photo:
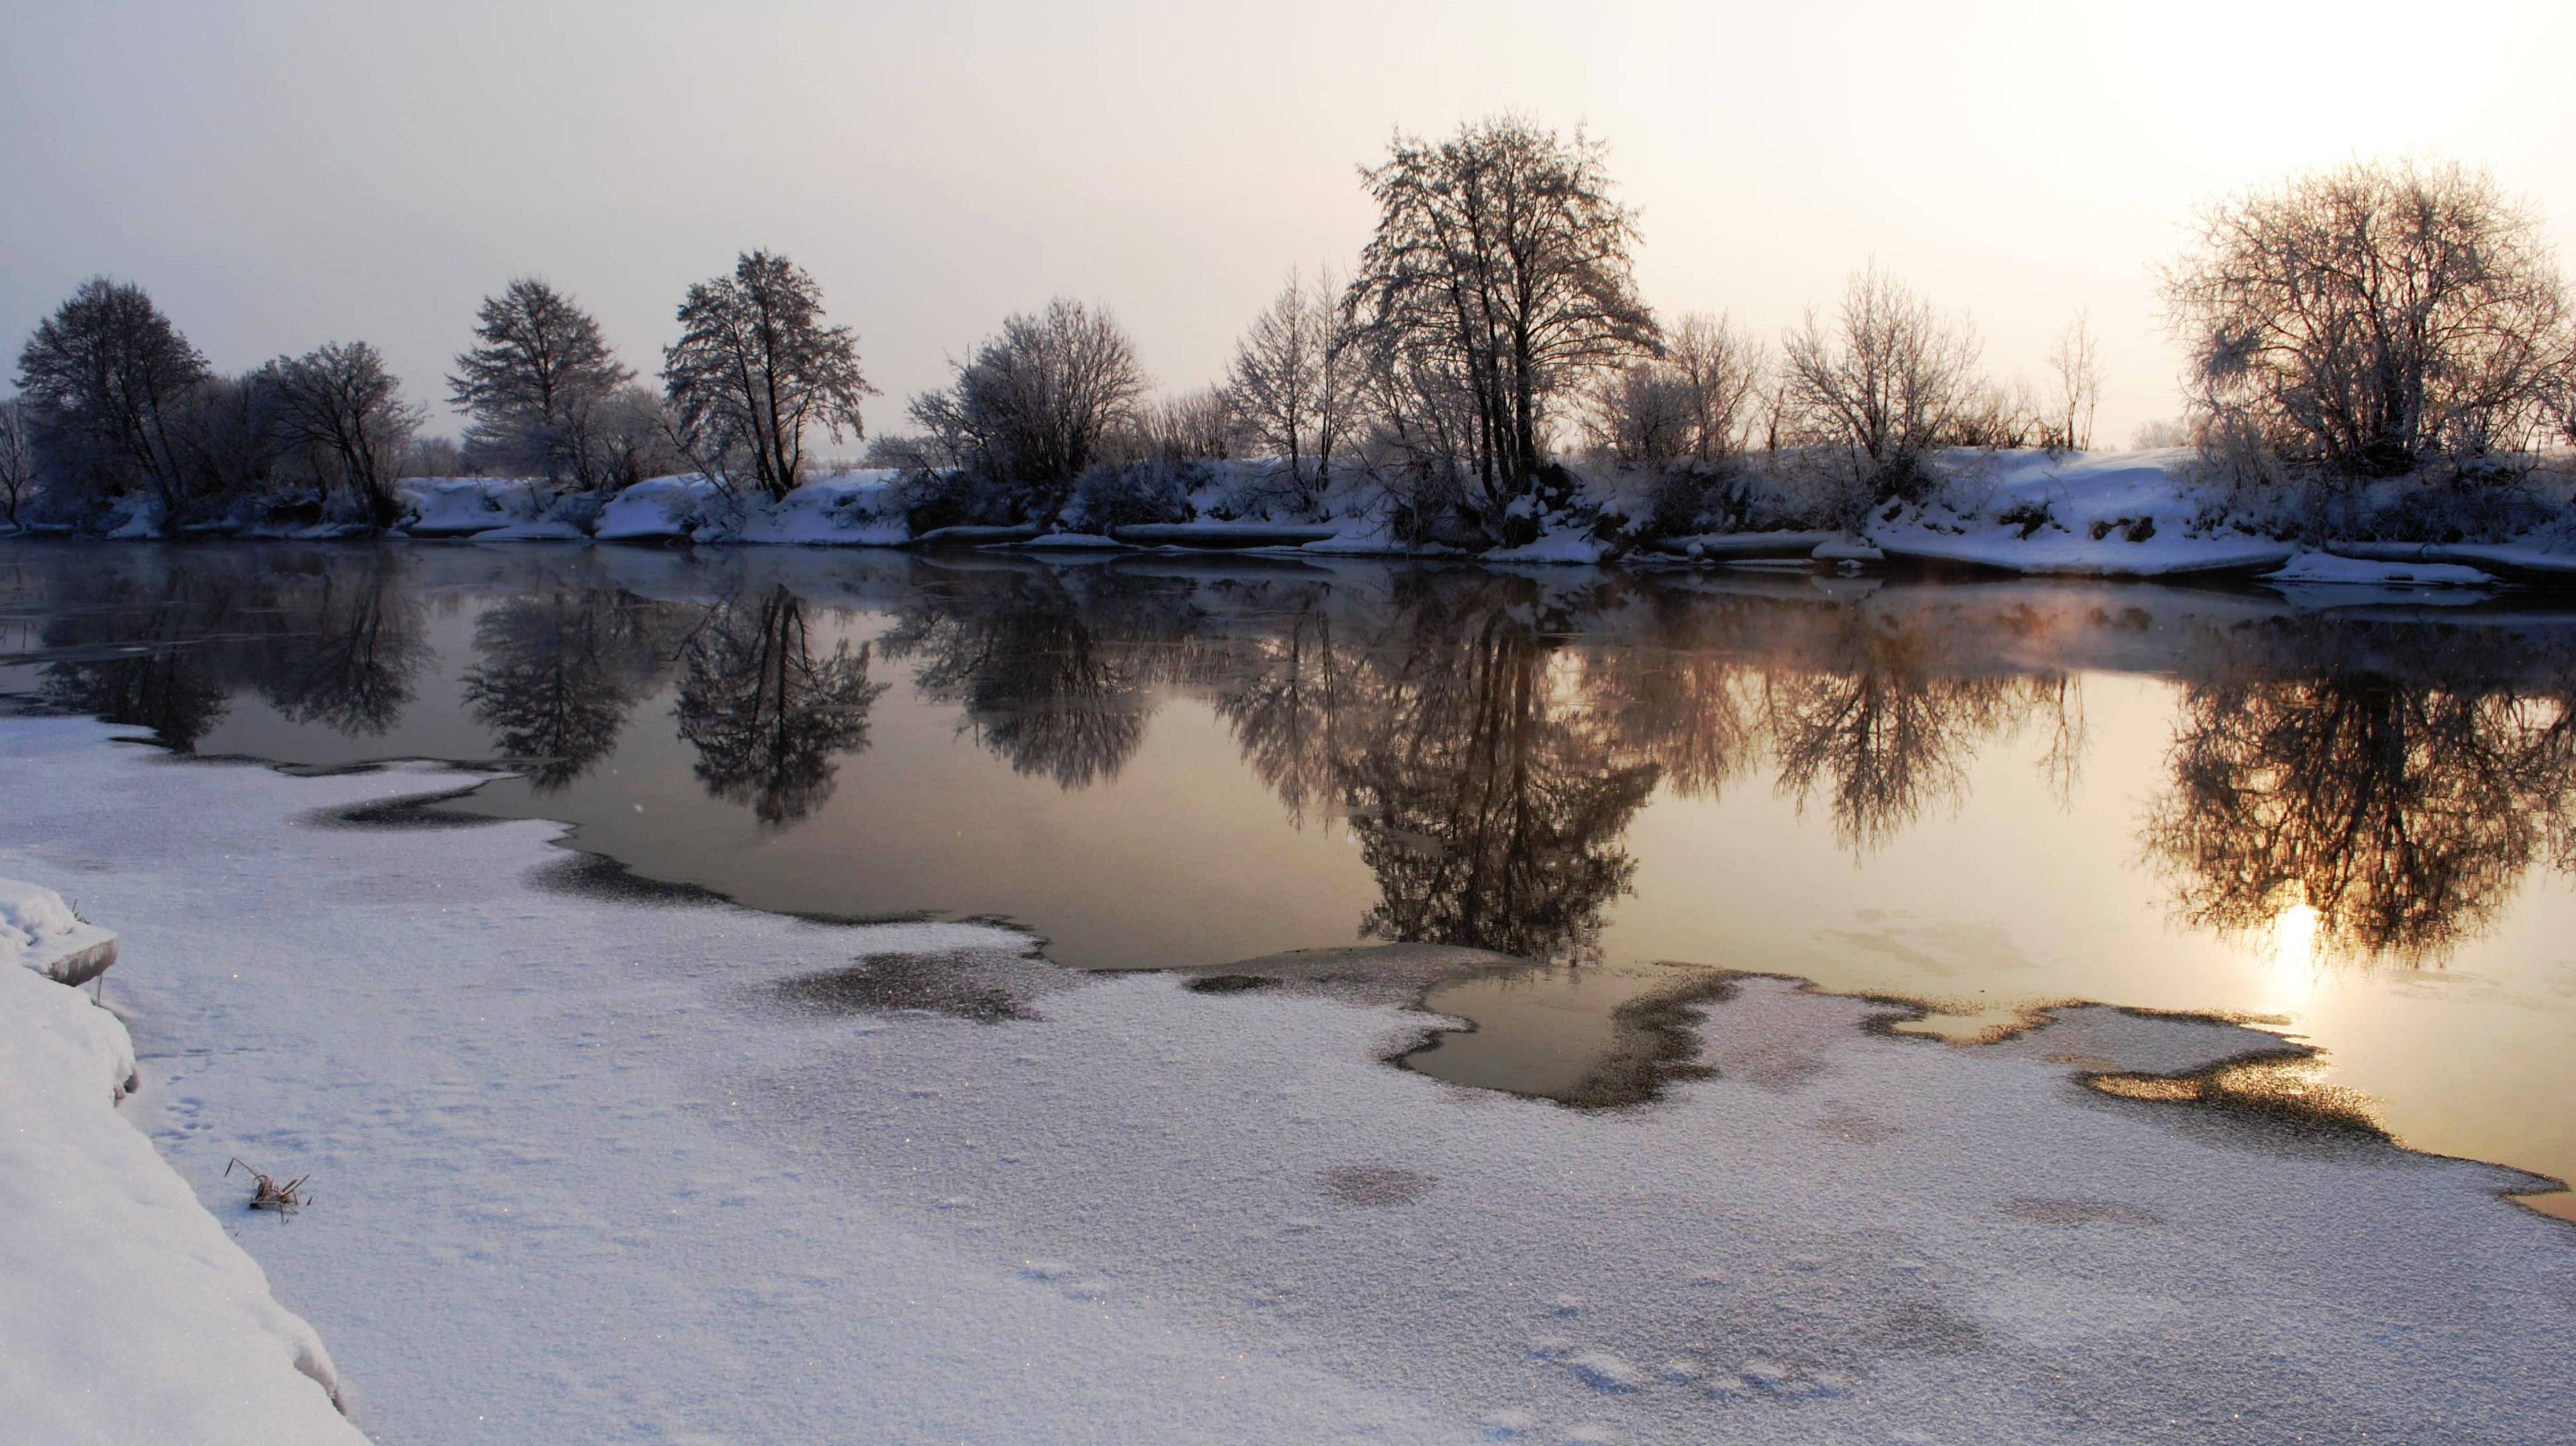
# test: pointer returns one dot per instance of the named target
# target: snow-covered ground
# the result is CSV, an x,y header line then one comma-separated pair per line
x,y
40,930
2102,514
596,1170
127,1317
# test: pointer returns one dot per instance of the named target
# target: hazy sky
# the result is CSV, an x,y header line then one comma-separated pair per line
x,y
283,174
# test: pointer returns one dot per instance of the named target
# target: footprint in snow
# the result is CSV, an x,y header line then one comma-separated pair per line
x,y
1373,1184
1603,1371
1774,1381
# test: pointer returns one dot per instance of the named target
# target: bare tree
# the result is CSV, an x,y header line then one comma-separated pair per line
x,y
755,369
1036,404
230,436
2075,365
1998,414
340,401
1194,426
1293,378
1642,415
101,377
1695,404
17,458
1423,422
534,382
1721,367
435,457
2371,318
1501,260
1272,378
1885,384
632,436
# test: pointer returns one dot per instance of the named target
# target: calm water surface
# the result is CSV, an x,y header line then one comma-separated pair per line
x,y
2354,824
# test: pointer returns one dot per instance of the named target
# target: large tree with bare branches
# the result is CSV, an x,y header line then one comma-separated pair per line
x,y
540,382
1036,404
341,403
1293,383
17,459
102,378
756,368
1885,384
2371,318
1501,259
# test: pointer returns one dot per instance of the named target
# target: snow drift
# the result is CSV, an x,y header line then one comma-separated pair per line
x,y
40,931
132,1318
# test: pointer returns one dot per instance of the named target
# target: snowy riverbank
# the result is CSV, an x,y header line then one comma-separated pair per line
x,y
2034,513
133,1317
594,1170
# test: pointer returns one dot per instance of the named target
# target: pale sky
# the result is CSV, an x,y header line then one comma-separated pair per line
x,y
283,174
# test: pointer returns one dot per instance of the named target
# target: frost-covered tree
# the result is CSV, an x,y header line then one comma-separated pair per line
x,y
1034,406
2075,370
535,382
1500,260
1721,369
1884,384
230,436
1694,404
1294,378
1641,414
102,377
2371,318
755,369
341,402
632,437
1195,426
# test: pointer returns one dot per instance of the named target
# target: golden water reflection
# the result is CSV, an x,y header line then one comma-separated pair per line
x,y
1986,798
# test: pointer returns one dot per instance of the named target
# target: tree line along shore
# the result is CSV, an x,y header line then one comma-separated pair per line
x,y
2381,353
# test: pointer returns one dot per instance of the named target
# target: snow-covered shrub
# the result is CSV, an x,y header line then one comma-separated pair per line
x,y
1266,489
1113,494
1418,494
935,497
2448,509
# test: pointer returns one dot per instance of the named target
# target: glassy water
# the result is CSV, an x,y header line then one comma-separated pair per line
x,y
2354,825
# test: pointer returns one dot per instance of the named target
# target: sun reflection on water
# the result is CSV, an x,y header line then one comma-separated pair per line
x,y
2291,972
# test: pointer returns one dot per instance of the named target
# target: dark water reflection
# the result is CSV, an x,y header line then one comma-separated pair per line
x,y
2405,813
1990,795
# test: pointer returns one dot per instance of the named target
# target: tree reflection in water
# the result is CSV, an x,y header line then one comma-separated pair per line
x,y
557,673
332,641
1054,673
2404,815
351,666
1487,798
1489,739
1886,735
1283,694
768,715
